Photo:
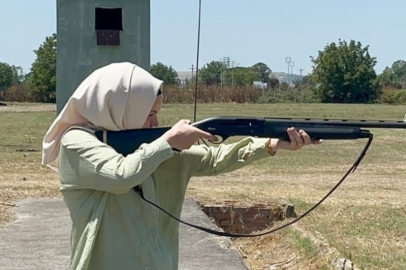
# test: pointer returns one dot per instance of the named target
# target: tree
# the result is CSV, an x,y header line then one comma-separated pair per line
x,y
11,78
344,73
240,76
399,69
304,82
395,76
388,80
263,70
167,74
211,73
6,79
18,75
42,79
273,82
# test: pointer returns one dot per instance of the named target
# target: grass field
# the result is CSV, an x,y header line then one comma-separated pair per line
x,y
364,220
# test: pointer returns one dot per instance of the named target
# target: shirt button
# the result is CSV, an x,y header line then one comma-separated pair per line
x,y
143,241
137,215
146,267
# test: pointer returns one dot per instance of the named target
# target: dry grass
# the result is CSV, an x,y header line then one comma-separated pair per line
x,y
28,107
22,176
16,185
362,221
371,230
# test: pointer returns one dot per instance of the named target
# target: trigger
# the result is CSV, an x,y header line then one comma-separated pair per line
x,y
219,139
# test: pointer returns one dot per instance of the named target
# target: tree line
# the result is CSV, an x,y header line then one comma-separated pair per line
x,y
39,84
218,73
343,72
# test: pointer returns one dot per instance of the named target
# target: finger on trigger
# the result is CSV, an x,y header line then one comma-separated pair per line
x,y
208,136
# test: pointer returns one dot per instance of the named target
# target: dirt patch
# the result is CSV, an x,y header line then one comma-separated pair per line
x,y
244,220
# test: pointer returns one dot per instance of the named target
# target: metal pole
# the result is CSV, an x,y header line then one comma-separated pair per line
x,y
287,61
197,60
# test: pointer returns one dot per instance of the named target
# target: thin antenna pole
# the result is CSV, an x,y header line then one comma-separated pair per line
x,y
197,60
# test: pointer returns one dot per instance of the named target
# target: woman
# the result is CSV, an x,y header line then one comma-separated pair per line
x,y
112,228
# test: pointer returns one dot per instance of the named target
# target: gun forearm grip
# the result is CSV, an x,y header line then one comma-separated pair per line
x,y
279,130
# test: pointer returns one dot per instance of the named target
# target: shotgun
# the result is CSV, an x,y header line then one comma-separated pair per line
x,y
224,127
128,141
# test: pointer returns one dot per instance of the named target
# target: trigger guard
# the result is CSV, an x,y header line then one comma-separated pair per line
x,y
220,141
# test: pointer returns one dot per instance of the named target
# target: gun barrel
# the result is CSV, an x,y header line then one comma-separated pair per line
x,y
390,124
242,121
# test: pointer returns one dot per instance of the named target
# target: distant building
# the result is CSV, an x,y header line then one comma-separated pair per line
x,y
284,77
260,84
184,77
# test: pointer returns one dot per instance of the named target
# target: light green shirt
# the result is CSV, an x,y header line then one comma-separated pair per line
x,y
112,227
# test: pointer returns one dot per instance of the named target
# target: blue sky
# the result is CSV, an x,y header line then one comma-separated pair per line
x,y
246,31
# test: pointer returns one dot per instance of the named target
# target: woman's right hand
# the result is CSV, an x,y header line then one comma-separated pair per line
x,y
182,135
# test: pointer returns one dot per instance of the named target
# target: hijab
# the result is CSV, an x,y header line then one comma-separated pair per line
x,y
115,97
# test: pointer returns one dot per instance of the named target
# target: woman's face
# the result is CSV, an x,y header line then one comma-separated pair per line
x,y
152,119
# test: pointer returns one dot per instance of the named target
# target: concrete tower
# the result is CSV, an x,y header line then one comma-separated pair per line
x,y
94,33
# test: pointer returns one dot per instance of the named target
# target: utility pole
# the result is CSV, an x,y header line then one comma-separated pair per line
x,y
233,64
192,68
292,64
226,63
287,61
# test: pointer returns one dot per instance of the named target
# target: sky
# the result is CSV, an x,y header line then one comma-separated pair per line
x,y
246,31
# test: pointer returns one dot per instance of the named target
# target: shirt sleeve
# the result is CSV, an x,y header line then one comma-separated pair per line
x,y
209,161
87,163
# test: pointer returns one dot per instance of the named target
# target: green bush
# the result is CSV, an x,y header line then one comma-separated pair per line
x,y
392,96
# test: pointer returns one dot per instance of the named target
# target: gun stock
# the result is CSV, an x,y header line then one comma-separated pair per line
x,y
127,141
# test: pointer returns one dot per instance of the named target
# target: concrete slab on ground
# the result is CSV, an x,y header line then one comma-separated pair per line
x,y
39,239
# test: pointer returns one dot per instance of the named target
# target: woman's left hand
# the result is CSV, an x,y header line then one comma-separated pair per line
x,y
297,140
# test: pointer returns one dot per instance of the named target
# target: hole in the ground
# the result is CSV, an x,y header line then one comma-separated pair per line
x,y
247,219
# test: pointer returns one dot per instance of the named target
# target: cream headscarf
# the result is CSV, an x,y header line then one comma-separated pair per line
x,y
115,97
